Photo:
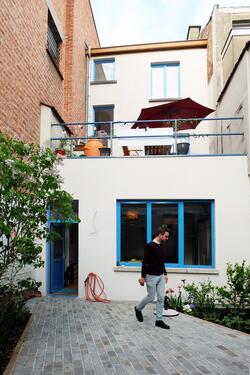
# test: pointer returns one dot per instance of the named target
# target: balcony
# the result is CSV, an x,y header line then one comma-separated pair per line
x,y
213,136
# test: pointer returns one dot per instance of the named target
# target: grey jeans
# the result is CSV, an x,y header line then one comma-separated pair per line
x,y
155,284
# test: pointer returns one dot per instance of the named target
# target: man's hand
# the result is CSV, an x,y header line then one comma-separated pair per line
x,y
141,281
166,278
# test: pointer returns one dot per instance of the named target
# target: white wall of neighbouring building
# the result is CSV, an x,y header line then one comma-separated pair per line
x,y
133,75
99,182
132,90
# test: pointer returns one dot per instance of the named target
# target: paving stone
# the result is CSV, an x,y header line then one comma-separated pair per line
x,y
69,336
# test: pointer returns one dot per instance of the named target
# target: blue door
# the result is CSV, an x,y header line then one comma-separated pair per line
x,y
57,257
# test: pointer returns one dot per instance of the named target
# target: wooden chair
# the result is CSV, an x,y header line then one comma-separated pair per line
x,y
125,150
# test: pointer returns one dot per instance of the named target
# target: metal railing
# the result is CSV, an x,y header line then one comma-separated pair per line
x,y
72,134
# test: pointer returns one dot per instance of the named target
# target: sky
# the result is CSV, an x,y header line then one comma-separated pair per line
x,y
121,22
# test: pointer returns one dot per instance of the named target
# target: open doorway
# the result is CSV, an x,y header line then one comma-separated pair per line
x,y
63,274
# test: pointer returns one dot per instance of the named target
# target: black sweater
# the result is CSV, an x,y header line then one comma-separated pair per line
x,y
153,261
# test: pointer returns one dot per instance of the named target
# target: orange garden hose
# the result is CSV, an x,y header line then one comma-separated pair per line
x,y
92,282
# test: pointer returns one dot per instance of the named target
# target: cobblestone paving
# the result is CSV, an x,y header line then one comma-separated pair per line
x,y
71,337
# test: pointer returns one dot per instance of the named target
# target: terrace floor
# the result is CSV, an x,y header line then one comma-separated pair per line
x,y
69,336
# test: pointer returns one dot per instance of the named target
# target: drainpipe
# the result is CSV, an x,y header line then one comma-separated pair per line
x,y
87,91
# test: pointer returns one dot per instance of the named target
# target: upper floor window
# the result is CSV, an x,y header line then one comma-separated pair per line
x,y
165,80
54,40
103,116
104,70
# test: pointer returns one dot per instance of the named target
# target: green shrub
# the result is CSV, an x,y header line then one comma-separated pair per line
x,y
201,297
173,301
235,296
12,310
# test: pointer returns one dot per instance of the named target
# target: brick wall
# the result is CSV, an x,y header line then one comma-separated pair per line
x,y
28,76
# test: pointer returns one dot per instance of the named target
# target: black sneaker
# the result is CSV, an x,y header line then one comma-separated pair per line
x,y
138,315
161,324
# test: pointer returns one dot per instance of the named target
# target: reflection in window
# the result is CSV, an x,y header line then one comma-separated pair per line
x,y
165,81
133,232
58,242
167,215
104,70
105,114
197,233
189,224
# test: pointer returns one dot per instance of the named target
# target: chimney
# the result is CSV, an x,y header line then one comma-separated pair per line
x,y
193,32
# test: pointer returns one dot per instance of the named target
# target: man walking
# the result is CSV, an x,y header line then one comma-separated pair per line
x,y
154,274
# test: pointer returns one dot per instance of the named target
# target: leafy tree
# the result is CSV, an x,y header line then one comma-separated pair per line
x,y
29,184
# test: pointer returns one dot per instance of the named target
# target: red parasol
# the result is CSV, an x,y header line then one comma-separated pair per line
x,y
178,109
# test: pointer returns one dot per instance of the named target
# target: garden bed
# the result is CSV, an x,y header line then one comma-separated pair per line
x,y
8,346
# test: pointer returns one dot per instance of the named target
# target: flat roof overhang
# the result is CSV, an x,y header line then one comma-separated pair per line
x,y
151,47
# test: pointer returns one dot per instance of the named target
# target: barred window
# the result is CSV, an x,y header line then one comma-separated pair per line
x,y
54,40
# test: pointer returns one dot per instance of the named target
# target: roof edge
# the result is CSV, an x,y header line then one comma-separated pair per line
x,y
149,47
247,46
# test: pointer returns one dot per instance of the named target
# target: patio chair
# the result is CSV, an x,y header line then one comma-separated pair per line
x,y
125,150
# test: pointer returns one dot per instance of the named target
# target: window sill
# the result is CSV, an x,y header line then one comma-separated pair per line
x,y
205,271
103,82
163,100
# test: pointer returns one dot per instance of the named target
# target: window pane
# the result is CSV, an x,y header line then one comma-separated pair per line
x,y
133,231
58,242
157,82
172,81
167,215
104,71
197,233
104,114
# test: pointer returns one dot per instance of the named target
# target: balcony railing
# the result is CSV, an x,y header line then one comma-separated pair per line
x,y
214,136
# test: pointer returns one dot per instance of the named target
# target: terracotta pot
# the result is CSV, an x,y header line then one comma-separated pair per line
x,y
92,148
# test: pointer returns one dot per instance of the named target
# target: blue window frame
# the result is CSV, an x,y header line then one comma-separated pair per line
x,y
191,226
103,116
165,80
104,70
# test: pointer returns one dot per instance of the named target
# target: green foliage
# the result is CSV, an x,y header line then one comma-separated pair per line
x,y
29,184
12,310
235,296
202,297
173,301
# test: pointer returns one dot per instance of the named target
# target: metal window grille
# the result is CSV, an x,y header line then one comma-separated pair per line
x,y
54,40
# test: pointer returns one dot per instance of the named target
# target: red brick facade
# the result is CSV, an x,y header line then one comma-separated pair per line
x,y
28,76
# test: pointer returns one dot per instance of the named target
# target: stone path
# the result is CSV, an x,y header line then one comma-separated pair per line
x,y
71,337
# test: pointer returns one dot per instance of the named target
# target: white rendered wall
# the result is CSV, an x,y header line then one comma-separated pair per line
x,y
132,91
99,182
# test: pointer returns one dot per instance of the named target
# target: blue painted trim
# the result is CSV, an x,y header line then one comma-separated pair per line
x,y
102,108
48,251
213,234
165,67
181,249
103,61
149,222
130,264
118,232
181,234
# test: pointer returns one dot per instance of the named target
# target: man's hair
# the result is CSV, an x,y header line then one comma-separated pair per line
x,y
161,230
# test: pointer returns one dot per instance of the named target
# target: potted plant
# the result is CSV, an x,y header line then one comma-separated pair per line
x,y
63,147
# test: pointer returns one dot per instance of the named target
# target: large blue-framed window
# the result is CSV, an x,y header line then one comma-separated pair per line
x,y
165,80
191,226
104,70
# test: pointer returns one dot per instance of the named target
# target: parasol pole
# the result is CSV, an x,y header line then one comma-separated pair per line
x,y
175,135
